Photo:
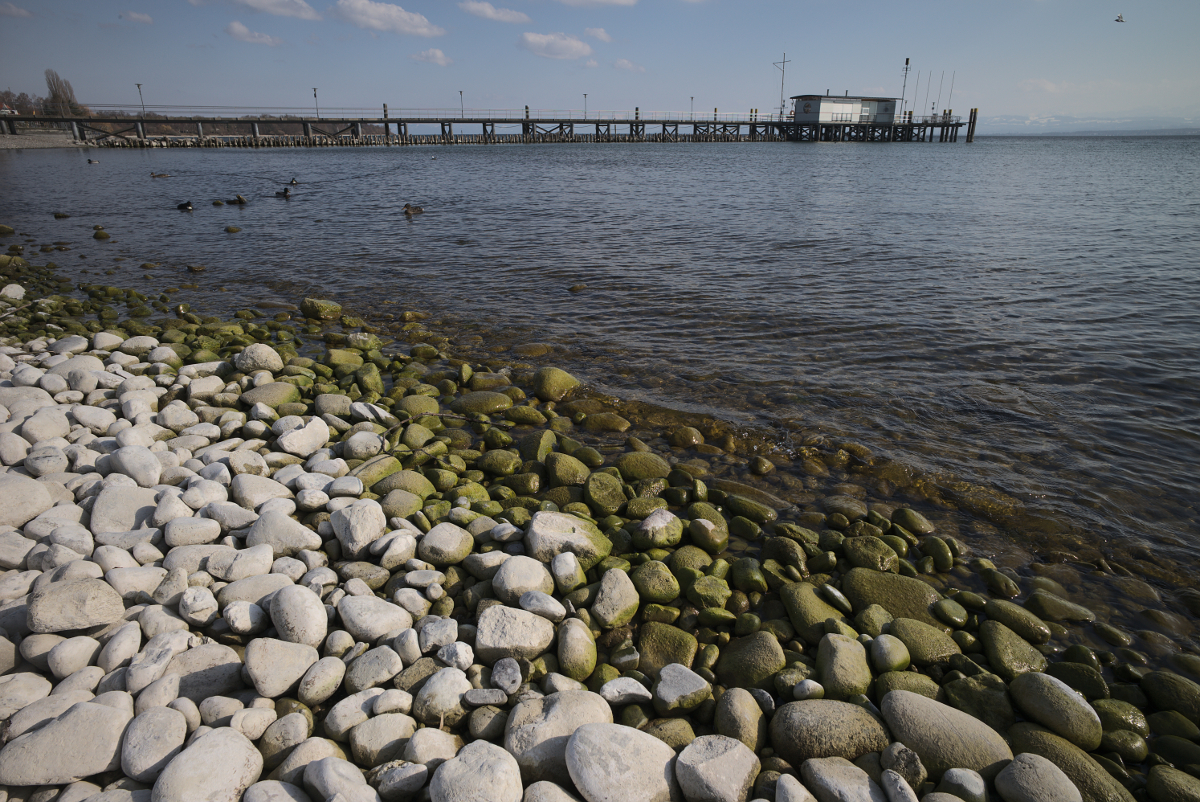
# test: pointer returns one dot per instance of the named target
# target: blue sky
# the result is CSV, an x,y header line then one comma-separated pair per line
x,y
1022,58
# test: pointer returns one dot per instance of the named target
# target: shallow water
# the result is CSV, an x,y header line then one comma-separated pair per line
x,y
1018,314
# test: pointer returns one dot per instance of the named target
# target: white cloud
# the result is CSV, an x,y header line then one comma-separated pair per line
x,y
555,45
1043,85
582,3
374,16
433,56
598,33
243,34
282,8
489,11
9,10
591,63
134,16
626,64
279,8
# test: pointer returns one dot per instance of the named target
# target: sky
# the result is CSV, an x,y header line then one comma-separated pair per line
x,y
1020,59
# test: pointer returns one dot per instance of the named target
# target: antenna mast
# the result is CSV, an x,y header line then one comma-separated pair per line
x,y
952,76
782,66
904,91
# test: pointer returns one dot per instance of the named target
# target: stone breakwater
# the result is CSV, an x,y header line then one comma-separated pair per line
x,y
234,572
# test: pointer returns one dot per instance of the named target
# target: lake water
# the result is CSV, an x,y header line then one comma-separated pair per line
x,y
1014,321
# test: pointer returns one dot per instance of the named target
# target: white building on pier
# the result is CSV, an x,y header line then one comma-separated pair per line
x,y
832,109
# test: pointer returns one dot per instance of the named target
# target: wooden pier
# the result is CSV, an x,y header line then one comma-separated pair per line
x,y
148,132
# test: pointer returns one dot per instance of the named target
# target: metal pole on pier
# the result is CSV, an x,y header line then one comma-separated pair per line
x,y
316,105
143,101
782,65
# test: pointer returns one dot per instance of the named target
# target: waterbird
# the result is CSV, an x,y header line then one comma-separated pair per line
x,y
185,207
159,175
1120,18
410,210
238,200
287,193
293,182
92,161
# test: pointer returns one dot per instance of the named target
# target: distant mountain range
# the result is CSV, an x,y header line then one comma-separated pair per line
x,y
1087,126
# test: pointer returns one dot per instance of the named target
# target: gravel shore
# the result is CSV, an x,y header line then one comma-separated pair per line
x,y
28,140
343,567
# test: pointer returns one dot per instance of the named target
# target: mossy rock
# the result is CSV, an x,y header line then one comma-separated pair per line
x,y
662,644
320,309
751,662
273,394
808,612
638,465
481,402
552,384
902,596
655,583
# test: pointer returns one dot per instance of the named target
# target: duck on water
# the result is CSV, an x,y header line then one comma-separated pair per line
x,y
410,210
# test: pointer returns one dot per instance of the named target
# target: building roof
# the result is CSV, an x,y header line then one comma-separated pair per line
x,y
840,97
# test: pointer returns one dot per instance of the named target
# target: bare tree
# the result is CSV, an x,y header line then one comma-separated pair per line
x,y
61,99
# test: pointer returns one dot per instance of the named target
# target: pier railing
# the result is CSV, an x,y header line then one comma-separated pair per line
x,y
405,113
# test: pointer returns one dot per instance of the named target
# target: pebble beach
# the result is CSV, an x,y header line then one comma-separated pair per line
x,y
292,555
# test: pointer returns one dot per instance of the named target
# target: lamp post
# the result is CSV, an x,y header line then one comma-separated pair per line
x,y
585,105
692,107
316,105
139,86
461,108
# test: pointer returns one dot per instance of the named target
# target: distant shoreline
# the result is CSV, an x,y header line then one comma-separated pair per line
x,y
47,140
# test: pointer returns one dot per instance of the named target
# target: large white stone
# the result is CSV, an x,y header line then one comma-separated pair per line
x,y
299,616
537,732
358,526
216,767
613,763
305,441
83,741
276,667
480,772
151,741
368,618
715,768
22,499
510,632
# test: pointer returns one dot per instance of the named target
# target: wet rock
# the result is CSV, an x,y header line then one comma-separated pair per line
x,y
943,737
820,728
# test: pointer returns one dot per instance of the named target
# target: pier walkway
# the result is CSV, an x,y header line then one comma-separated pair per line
x,y
153,130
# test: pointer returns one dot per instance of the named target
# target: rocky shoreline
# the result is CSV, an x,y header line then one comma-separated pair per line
x,y
379,571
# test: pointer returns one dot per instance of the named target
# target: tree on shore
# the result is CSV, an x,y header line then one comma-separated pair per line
x,y
61,100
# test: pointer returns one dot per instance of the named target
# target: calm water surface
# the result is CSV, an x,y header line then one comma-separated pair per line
x,y
1019,314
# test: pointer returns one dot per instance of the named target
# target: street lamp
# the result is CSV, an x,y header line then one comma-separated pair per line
x,y
139,86
692,107
585,105
461,108
316,105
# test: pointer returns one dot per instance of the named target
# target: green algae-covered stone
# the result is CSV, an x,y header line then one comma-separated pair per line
x,y
1094,783
926,645
807,611
1009,654
708,591
662,644
1168,691
870,552
750,662
417,405
902,596
272,394
564,470
1019,620
913,521
536,446
412,481
984,696
376,469
906,681
603,493
500,462
482,401
637,465
320,309
655,583
552,384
